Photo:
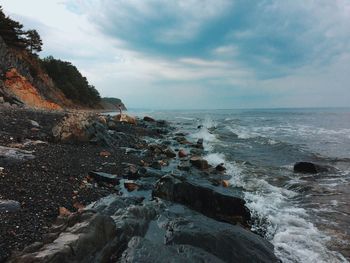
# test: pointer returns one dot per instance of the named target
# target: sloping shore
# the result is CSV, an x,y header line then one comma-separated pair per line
x,y
160,196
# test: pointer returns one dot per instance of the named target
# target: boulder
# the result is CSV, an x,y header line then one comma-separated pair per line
x,y
104,177
184,166
216,202
169,153
182,153
199,163
311,168
220,167
84,236
125,118
9,206
112,125
14,155
142,250
230,243
149,119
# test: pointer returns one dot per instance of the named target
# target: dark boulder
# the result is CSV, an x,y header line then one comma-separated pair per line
x,y
143,250
311,168
216,202
149,119
230,243
104,177
220,167
169,153
199,163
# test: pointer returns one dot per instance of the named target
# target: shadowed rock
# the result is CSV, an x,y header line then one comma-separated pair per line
x,y
311,168
215,202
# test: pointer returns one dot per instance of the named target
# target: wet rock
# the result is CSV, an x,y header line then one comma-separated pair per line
x,y
131,186
199,163
85,235
311,168
105,154
131,171
9,206
230,243
143,250
215,202
184,166
169,153
104,177
182,153
14,155
156,165
196,151
181,140
149,119
220,167
151,172
112,125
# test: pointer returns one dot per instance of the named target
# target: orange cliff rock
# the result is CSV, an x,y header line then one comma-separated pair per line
x,y
26,92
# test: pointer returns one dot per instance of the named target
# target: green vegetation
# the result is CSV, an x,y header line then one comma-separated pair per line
x,y
14,36
68,78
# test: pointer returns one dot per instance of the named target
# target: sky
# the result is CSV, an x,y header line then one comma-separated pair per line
x,y
200,54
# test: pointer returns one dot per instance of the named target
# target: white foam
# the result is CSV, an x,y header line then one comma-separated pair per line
x,y
295,238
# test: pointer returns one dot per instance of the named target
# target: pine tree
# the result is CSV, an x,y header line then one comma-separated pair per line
x,y
34,41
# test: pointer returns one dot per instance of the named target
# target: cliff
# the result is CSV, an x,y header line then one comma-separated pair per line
x,y
112,104
24,83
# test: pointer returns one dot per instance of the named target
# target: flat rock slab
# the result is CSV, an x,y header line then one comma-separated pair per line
x,y
9,206
104,177
216,202
14,155
230,243
143,250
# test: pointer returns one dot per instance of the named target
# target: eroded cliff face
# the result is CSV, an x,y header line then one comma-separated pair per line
x,y
25,92
23,82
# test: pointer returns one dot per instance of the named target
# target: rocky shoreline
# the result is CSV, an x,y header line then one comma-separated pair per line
x,y
85,187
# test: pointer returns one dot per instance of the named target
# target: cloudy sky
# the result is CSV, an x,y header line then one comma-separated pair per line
x,y
201,53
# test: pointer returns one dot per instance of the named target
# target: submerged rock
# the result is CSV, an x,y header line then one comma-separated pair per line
x,y
149,119
311,168
215,202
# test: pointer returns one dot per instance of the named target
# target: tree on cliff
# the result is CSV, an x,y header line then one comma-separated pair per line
x,y
12,31
68,78
34,41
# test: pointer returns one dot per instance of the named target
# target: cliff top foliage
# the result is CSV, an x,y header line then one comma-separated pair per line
x,y
68,78
14,36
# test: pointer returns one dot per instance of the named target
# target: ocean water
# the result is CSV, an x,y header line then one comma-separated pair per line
x,y
306,217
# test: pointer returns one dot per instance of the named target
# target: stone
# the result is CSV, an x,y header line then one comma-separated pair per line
x,y
216,202
105,154
142,250
125,118
104,177
156,165
14,155
84,237
2,100
149,119
131,186
112,125
230,243
169,153
102,120
199,163
184,166
182,153
220,167
311,168
9,206
34,124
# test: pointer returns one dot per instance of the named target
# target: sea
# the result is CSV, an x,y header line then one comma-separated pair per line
x,y
306,217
